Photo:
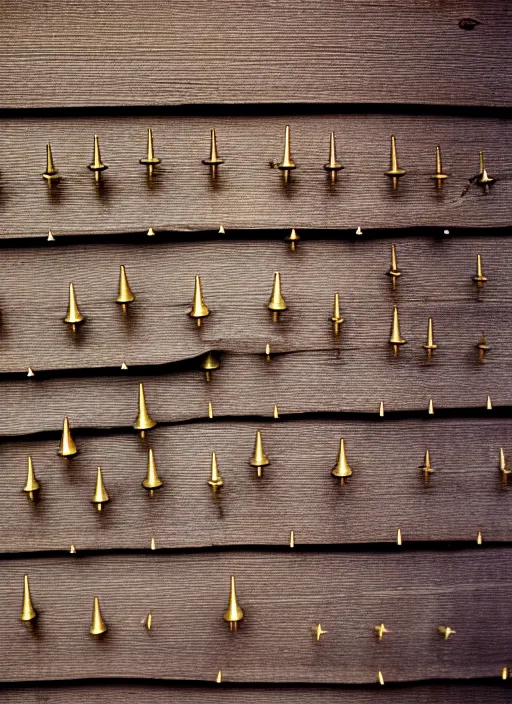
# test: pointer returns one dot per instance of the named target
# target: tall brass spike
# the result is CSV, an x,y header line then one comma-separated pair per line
x,y
73,316
51,175
336,318
396,338
380,678
268,356
125,294
293,238
150,160
380,630
333,164
28,613
234,613
98,625
381,409
318,631
148,621
143,421
430,345
394,271
276,303
198,309
430,407
218,679
292,539
482,348
394,170
215,481
479,538
427,468
479,277
439,176
259,458
399,537
215,159
488,404
152,480
67,447
152,543
276,412
483,177
31,485
342,468
446,631
210,410
209,363
97,165
100,495
287,163
503,467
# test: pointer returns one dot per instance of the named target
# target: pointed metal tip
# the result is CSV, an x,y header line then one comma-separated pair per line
x,y
150,232
72,549
380,678
124,366
287,163
214,159
218,679
50,237
221,230
30,372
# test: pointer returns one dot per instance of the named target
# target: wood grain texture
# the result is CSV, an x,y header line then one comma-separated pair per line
x,y
248,193
283,595
63,53
465,494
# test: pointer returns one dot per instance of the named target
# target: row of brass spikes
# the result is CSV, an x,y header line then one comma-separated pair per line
x,y
380,630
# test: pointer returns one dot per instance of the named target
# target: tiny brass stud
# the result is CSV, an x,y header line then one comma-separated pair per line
x,y
221,230
67,447
380,678
276,412
73,315
399,537
198,309
427,468
287,163
333,164
97,166
233,614
51,175
28,613
143,421
394,272
259,458
394,170
342,468
336,318
215,159
505,673
488,404
215,481
292,539
359,231
381,409
482,348
150,232
218,679
100,495
483,177
430,408
148,621
479,277
72,549
50,237
396,338
31,485
98,625
124,367
380,630
150,160
210,410
293,238
276,303
503,467
152,480
30,372
152,543
209,363
439,176
479,538
446,631
268,356
125,294
318,631
430,345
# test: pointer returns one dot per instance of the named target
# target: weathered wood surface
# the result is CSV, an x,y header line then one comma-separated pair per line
x,y
248,193
297,492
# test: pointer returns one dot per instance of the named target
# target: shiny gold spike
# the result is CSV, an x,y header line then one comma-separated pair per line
x,y
98,625
215,159
396,338
215,481
318,631
152,480
381,409
287,163
380,630
233,614
209,363
293,238
31,485
342,468
394,272
198,309
150,232
430,408
259,458
221,230
292,539
479,277
503,467
430,345
268,356
427,468
72,549
380,678
399,537
359,231
483,177
336,318
150,160
30,372
439,176
488,404
100,495
394,170
50,237
333,164
28,613
218,679
67,447
482,348
446,631
505,673
51,175
143,421
148,621
73,316
125,294
479,538
276,303
210,410
97,165
276,412
152,543
124,367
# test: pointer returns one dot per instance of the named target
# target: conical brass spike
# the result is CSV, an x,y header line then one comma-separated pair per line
x,y
479,538
394,271
72,549
152,480
125,294
221,230
124,367
439,175
97,165
276,412
399,537
503,467
143,421
218,679
148,621
152,543
259,458
359,231
210,410
488,404
396,338
293,238
268,356
28,613
31,485
30,372
446,631
100,495
430,408
342,468
482,348
67,447
73,316
332,165
215,481
292,539
427,468
381,409
150,232
287,163
336,318
50,237
484,177
380,630
380,678
209,363
51,175
214,159
276,302
198,309
430,345
479,278
505,673
98,625
233,614
150,160
318,631
394,170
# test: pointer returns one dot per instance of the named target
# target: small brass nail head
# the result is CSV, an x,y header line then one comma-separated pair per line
x,y
446,631
259,458
318,631
479,538
483,178
488,404
100,496
97,166
276,303
479,277
276,412
394,272
381,409
210,363
198,309
143,421
150,160
234,613
148,621
51,175
293,238
30,372
31,485
215,159
396,338
210,410
292,539
380,630
287,163
333,164
50,237
430,409
399,537
380,678
67,447
150,232
336,318
125,294
439,174
28,613
152,480
73,315
430,345
394,170
152,543
218,679
98,625
342,468
482,347
215,481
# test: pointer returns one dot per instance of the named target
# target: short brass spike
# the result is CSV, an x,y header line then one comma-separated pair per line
x,y
67,447
427,468
430,408
30,372
97,165
148,621
210,410
152,480
482,348
234,613
125,294
488,404
218,679
503,467
318,631
198,309
100,495
124,367
394,272
483,178
276,303
396,338
439,176
268,356
72,549
394,170
292,539
73,316
479,277
446,631
259,458
214,159
399,537
51,175
479,538
381,409
150,232
430,345
143,421
152,543
380,630
31,485
276,412
98,625
293,238
50,237
221,230
209,363
380,678
505,673
215,481
359,231
336,318
287,162
28,613
333,164
150,160
342,468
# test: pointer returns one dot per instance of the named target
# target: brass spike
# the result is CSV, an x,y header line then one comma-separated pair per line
x,y
30,372
482,348
98,625
209,363
198,309
292,539
359,231
336,318
293,238
276,303
380,678
268,357
150,160
318,631
152,543
100,495
488,404
210,410
97,165
427,468
394,170
148,621
439,176
380,630
124,367
505,673
332,165
430,345
143,421
233,614
73,316
31,485
152,480
483,177
479,278
381,409
287,163
72,549
150,232
50,237
221,230
28,613
51,175
503,467
396,338
218,679
394,271
215,481
399,537
430,409
479,538
215,159
446,631
259,458
276,412
342,468
125,294
67,447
